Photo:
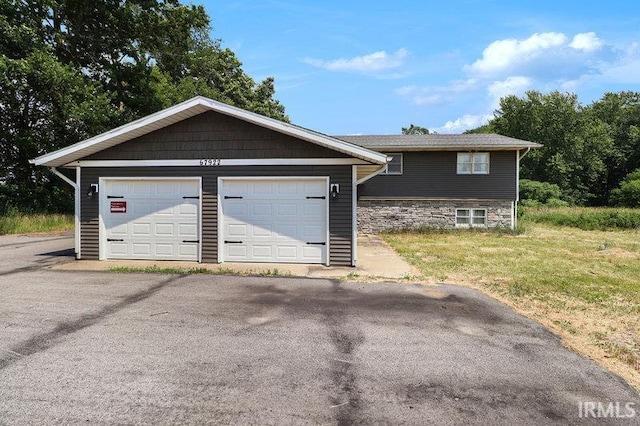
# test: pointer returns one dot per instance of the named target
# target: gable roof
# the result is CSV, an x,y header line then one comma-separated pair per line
x,y
190,108
472,141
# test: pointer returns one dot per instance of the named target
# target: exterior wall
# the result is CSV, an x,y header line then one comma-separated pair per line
x,y
433,175
214,135
383,215
340,209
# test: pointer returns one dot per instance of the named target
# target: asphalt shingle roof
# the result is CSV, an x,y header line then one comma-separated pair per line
x,y
472,141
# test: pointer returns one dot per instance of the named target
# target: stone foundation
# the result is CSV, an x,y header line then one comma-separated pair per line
x,y
384,215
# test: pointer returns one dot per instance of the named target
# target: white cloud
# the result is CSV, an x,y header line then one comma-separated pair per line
x,y
371,63
586,41
543,61
502,55
437,94
515,85
463,123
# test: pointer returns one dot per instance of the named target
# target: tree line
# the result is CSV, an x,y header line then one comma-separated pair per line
x,y
71,69
591,153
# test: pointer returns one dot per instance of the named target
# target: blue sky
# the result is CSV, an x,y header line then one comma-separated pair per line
x,y
368,67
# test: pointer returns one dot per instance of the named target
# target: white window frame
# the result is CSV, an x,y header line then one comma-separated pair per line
x,y
470,216
394,154
472,170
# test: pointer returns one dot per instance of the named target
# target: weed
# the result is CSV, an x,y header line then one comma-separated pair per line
x,y
20,223
155,269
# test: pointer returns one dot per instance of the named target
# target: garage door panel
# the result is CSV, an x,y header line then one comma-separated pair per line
x,y
157,220
188,250
311,252
264,252
141,229
164,250
274,219
188,209
118,248
188,230
119,230
287,252
141,249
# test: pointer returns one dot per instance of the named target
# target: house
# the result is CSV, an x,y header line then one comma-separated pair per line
x,y
204,181
442,181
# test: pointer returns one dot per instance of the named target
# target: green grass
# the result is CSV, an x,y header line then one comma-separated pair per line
x,y
583,283
594,218
154,269
19,223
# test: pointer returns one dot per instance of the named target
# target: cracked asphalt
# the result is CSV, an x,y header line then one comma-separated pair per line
x,y
103,348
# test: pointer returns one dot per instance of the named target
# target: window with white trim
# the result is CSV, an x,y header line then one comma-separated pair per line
x,y
394,167
471,217
473,163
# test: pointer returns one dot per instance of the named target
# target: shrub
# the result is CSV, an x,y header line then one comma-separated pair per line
x,y
584,218
628,194
532,191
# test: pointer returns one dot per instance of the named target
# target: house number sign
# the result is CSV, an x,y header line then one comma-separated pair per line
x,y
210,162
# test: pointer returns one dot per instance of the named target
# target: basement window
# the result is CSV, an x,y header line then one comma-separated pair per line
x,y
473,163
394,167
471,217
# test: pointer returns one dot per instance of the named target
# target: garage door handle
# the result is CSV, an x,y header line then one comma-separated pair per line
x,y
115,196
317,198
228,197
114,239
316,244
232,242
190,241
194,197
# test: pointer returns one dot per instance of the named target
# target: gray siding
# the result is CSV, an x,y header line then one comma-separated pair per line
x,y
213,135
340,213
434,175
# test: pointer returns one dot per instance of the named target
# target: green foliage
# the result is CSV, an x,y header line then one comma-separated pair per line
x,y
415,130
628,194
13,222
541,192
587,149
590,219
72,69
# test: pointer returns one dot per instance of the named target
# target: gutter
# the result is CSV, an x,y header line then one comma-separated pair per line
x,y
525,153
76,187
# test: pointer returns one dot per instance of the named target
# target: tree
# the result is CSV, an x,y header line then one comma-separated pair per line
x,y
415,130
43,104
621,113
70,69
577,146
628,194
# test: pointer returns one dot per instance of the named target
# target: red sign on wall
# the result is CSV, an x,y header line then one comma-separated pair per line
x,y
118,206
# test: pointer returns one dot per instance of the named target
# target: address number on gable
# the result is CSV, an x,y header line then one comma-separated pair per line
x,y
210,162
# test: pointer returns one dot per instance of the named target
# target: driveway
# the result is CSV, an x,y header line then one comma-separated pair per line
x,y
101,348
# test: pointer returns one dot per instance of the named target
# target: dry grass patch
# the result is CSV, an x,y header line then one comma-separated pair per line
x,y
584,285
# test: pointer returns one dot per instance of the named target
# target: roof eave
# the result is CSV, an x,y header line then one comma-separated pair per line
x,y
189,109
454,148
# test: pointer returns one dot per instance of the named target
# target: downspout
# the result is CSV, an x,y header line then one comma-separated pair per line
x,y
515,204
76,187
354,202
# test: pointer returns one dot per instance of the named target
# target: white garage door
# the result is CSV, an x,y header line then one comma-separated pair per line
x,y
150,219
274,220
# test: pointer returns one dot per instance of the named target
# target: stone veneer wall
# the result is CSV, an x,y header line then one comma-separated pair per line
x,y
380,215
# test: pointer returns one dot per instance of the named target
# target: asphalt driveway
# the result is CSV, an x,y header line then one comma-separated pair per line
x,y
101,348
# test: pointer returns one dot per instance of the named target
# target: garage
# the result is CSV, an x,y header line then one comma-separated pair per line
x,y
203,181
150,219
274,220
